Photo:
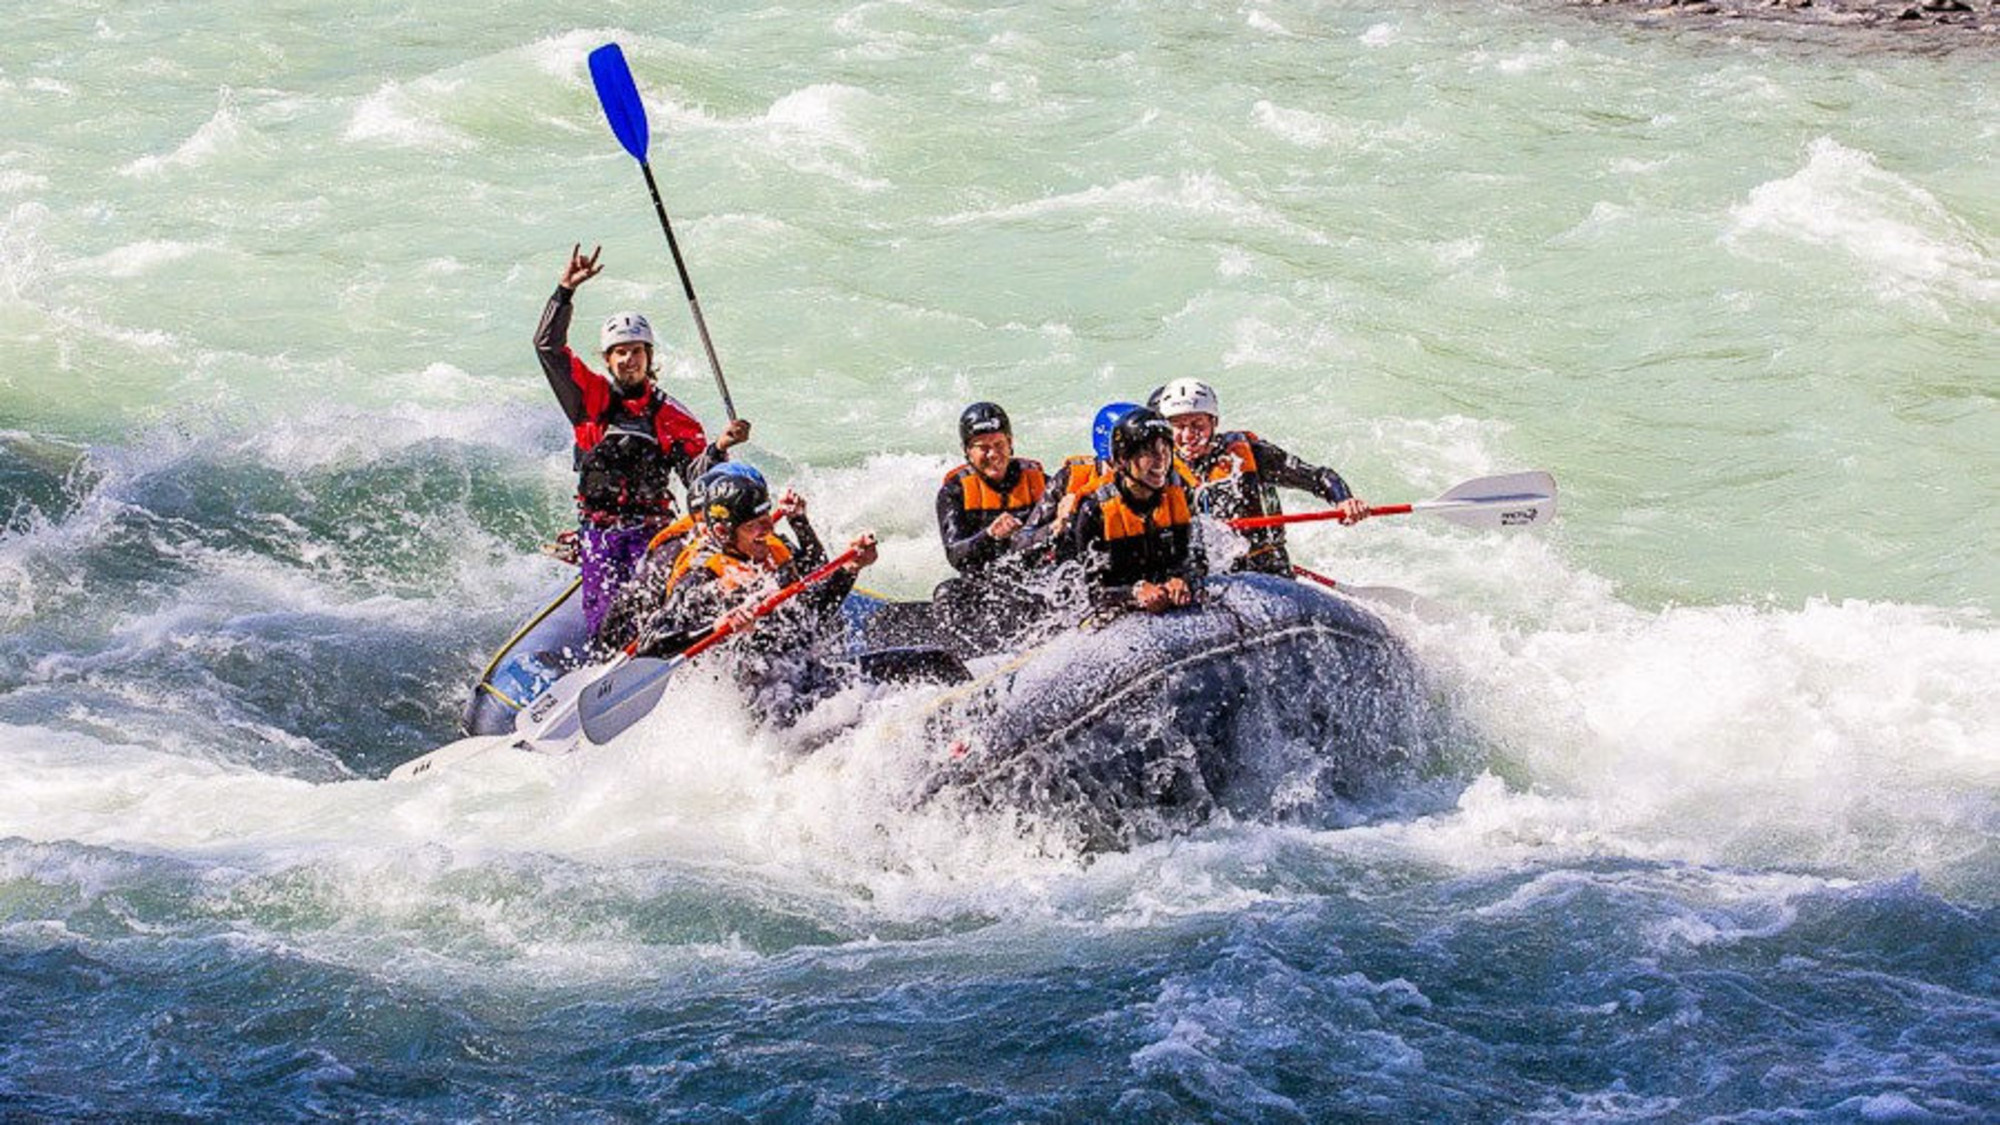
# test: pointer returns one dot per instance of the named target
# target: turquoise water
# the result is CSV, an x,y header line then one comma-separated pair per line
x,y
275,458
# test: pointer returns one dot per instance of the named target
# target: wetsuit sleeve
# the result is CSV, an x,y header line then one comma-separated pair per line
x,y
1043,515
1194,567
574,383
811,554
692,468
1074,541
823,600
1033,538
1283,470
967,547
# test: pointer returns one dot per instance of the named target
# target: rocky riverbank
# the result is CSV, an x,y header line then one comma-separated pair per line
x,y
1922,25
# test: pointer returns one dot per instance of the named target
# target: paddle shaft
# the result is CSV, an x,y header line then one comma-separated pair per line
x,y
687,286
722,631
1322,579
1251,523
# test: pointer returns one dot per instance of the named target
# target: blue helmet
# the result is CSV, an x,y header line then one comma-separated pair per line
x,y
736,469
729,494
1100,430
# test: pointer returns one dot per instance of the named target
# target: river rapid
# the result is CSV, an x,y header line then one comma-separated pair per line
x,y
276,459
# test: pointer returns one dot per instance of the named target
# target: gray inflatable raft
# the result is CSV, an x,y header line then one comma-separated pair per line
x,y
1270,700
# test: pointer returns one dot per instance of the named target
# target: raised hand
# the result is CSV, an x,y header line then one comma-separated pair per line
x,y
580,268
736,433
864,551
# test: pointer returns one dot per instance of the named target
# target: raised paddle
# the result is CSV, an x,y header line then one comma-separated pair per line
x,y
1510,500
631,689
627,114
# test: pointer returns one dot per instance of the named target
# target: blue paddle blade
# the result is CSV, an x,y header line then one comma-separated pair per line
x,y
620,97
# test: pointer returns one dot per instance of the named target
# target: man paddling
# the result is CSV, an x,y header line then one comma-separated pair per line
x,y
1235,473
734,557
1136,534
632,438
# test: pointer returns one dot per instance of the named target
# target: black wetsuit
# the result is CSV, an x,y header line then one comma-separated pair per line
x,y
1240,476
1124,540
994,598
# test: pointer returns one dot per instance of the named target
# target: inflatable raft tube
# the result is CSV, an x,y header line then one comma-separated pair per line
x,y
553,641
1270,700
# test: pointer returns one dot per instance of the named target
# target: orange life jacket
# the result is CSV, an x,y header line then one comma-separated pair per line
x,y
1121,522
1086,475
981,496
672,531
1234,459
733,572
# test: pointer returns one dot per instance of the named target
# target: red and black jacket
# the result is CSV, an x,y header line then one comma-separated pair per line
x,y
628,449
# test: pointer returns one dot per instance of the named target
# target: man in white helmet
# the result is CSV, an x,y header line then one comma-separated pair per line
x,y
1235,473
632,438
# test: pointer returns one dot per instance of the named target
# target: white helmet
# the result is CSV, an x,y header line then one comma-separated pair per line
x,y
1187,396
625,328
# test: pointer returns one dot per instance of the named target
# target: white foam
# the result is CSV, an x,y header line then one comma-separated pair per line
x,y
222,134
1202,194
137,259
1381,35
1256,19
1910,246
1853,736
405,117
15,181
1300,126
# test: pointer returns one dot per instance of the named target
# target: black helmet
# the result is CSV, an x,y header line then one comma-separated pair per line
x,y
982,418
1137,430
729,496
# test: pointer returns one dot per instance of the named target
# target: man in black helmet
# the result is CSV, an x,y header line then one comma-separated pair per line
x,y
982,511
1136,534
734,558
983,502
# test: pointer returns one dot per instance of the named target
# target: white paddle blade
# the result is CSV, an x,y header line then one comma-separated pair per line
x,y
623,696
1506,501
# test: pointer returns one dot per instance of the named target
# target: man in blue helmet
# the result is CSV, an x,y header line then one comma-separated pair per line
x,y
642,596
734,557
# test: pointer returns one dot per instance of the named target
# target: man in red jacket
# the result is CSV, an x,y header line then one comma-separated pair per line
x,y
632,438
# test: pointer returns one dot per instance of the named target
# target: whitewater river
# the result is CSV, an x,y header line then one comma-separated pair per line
x,y
276,458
